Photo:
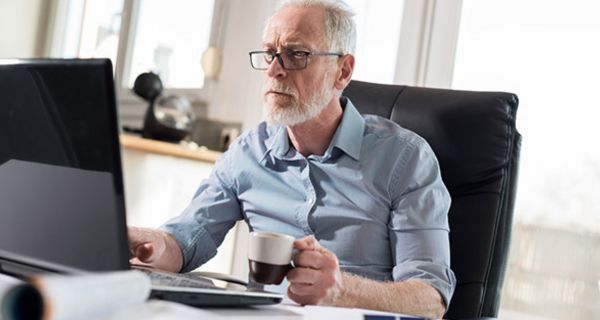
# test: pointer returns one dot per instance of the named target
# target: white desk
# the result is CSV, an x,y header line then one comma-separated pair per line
x,y
160,310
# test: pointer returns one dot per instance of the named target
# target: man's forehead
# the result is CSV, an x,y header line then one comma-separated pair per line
x,y
295,26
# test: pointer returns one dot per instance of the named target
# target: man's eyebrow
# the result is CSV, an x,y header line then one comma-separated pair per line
x,y
286,45
293,44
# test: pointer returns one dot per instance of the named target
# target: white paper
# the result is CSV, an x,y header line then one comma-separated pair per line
x,y
7,283
75,297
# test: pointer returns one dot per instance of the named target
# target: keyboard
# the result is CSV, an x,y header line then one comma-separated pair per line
x,y
159,278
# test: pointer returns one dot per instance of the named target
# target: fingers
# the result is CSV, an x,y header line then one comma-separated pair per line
x,y
139,236
145,244
154,248
302,299
307,293
137,262
315,259
309,286
144,251
303,276
307,243
311,254
136,236
316,278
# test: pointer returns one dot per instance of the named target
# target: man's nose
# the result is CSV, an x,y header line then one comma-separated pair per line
x,y
275,69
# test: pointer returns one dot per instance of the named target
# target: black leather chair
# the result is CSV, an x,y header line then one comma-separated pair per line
x,y
474,137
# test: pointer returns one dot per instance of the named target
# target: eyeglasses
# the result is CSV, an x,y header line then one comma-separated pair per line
x,y
288,59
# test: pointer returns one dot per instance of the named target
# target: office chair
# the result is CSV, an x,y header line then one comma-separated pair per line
x,y
474,137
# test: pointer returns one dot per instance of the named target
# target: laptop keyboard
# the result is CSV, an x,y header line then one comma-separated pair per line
x,y
178,280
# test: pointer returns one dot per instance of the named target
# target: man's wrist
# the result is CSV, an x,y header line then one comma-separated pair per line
x,y
173,253
347,296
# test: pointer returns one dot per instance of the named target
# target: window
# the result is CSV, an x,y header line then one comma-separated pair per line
x,y
167,37
170,37
378,26
546,52
91,29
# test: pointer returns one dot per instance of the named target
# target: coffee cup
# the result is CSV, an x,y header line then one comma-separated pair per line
x,y
269,256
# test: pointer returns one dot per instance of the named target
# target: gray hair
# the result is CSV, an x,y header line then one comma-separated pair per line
x,y
340,28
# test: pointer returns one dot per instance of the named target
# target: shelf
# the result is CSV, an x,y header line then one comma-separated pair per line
x,y
171,149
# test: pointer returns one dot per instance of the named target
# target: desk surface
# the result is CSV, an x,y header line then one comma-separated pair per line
x,y
162,310
166,148
156,309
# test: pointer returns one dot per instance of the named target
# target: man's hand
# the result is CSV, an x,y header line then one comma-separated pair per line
x,y
154,248
316,278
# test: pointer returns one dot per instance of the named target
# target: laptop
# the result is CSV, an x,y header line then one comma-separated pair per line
x,y
62,207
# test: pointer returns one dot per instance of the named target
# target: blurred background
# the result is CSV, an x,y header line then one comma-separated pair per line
x,y
546,51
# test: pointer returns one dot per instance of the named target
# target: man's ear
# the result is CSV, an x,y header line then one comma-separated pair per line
x,y
346,67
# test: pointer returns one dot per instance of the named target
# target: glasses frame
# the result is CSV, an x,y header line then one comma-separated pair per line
x,y
273,55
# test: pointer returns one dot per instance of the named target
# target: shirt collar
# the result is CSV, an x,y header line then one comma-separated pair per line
x,y
277,143
281,143
348,137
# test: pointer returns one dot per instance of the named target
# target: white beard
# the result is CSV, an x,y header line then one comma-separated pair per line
x,y
296,113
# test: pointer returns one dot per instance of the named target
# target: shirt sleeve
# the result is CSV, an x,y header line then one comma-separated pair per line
x,y
418,227
202,226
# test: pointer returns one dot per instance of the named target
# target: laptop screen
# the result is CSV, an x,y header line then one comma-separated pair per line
x,y
61,188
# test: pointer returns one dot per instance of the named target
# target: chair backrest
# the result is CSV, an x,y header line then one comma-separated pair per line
x,y
474,137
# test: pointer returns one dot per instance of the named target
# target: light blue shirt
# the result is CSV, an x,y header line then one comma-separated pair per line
x,y
375,198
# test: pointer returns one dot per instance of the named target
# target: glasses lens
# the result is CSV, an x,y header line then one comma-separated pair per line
x,y
294,60
291,60
261,60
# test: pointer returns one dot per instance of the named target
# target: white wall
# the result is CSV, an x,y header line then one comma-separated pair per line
x,y
21,24
237,92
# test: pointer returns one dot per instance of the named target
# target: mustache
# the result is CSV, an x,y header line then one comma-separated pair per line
x,y
280,88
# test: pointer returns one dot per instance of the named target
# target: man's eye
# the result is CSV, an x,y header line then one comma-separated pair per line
x,y
298,54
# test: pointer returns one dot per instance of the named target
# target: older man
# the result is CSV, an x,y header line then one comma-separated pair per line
x,y
363,196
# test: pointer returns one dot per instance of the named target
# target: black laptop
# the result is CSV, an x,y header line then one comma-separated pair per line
x,y
62,207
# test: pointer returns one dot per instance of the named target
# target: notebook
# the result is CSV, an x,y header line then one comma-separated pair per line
x,y
62,207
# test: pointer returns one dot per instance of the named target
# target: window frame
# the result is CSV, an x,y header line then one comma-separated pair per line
x,y
131,8
428,41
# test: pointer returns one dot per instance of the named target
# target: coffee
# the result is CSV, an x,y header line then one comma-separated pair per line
x,y
267,273
269,256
